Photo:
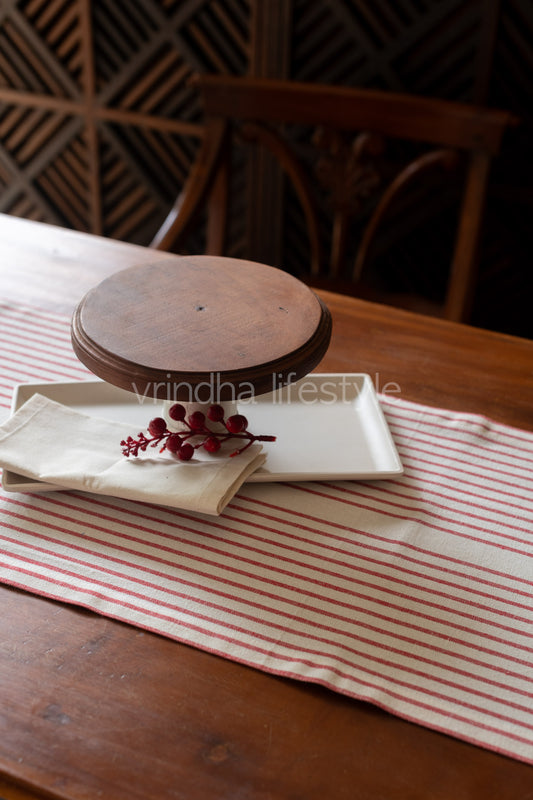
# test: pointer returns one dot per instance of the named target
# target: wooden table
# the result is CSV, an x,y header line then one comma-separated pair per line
x,y
185,723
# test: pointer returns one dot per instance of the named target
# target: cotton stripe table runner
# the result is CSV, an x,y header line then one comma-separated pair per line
x,y
414,594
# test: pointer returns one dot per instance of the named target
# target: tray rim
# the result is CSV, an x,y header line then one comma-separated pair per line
x,y
13,482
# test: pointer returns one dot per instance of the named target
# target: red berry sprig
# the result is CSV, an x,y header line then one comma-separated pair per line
x,y
236,427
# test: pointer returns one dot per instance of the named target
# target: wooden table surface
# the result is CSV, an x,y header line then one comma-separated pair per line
x,y
93,708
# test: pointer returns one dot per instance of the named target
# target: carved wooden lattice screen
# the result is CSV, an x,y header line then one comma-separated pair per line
x,y
98,126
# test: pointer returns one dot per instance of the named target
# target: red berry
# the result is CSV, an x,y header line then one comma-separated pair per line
x,y
177,412
215,413
186,452
197,420
157,426
212,444
173,443
237,423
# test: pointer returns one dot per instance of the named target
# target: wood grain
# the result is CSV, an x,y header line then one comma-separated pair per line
x,y
344,108
184,325
90,707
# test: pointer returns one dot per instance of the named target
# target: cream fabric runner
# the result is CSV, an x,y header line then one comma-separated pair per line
x,y
414,594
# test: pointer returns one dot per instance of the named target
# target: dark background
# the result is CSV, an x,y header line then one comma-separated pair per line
x,y
98,126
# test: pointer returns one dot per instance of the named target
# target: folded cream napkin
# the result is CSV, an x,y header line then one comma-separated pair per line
x,y
50,442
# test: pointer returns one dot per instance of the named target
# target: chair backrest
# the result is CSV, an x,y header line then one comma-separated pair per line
x,y
347,151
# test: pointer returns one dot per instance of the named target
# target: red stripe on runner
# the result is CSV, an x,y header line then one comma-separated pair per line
x,y
416,506
362,557
43,375
429,437
451,417
213,620
407,545
235,571
418,474
417,485
320,653
433,526
417,461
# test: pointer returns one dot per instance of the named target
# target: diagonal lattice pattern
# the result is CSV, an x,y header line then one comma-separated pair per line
x,y
72,160
429,50
45,160
41,46
147,50
140,169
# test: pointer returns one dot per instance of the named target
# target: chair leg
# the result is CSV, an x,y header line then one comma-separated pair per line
x,y
464,265
197,188
217,212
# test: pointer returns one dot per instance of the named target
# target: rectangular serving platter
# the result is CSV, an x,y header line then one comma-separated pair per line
x,y
327,426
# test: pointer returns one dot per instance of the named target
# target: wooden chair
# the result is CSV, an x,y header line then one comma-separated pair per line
x,y
351,129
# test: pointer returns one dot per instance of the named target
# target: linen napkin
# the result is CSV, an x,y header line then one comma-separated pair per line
x,y
47,441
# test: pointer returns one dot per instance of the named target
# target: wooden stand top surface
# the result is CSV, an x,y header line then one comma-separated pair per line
x,y
182,322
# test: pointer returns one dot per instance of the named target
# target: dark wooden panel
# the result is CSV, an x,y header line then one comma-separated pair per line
x,y
98,123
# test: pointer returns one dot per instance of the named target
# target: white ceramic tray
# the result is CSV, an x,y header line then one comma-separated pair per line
x,y
328,427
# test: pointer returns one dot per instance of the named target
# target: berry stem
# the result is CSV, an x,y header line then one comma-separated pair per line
x,y
198,428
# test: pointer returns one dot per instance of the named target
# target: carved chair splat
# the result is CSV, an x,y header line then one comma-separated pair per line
x,y
351,129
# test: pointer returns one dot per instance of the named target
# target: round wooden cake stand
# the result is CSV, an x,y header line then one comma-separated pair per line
x,y
201,329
